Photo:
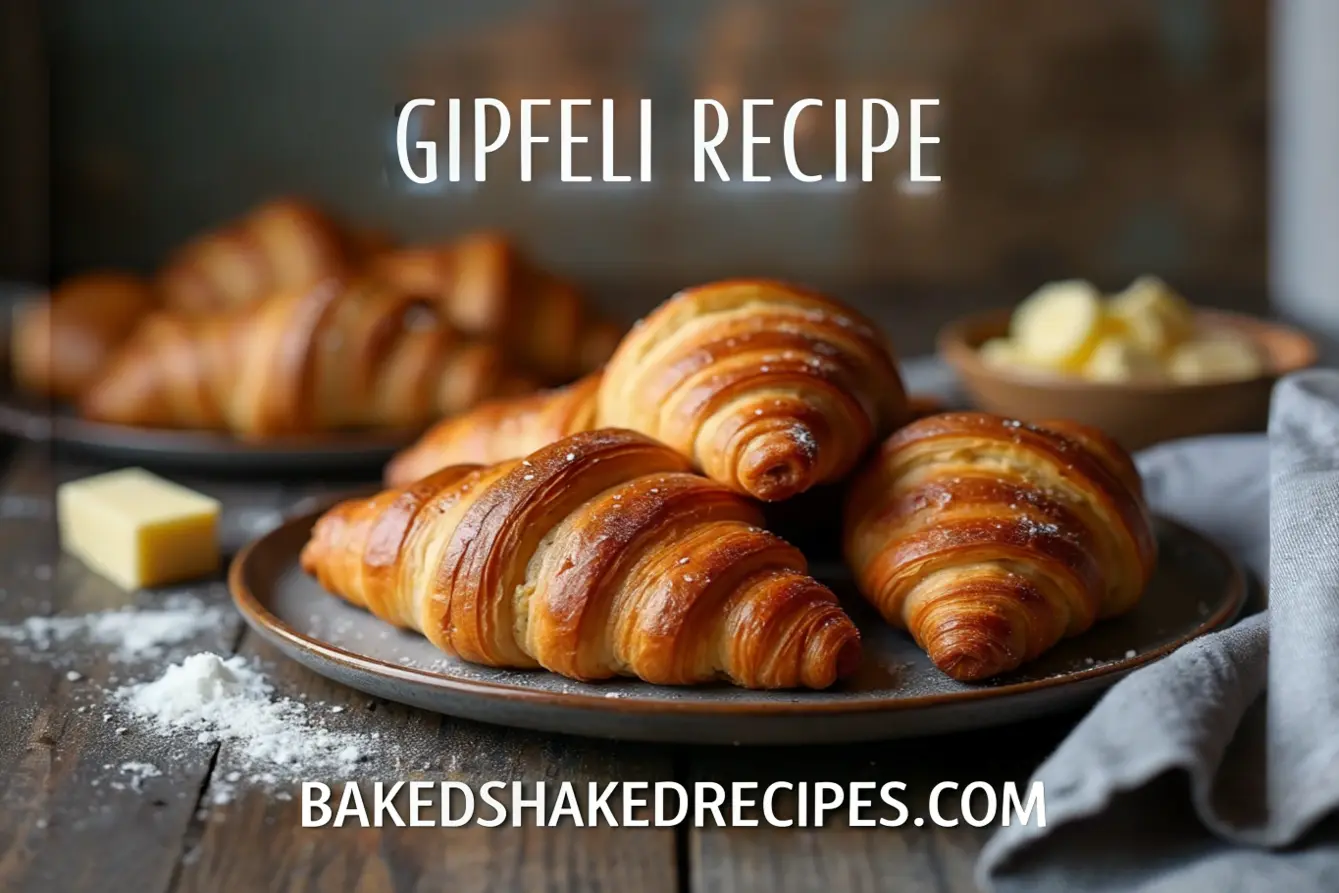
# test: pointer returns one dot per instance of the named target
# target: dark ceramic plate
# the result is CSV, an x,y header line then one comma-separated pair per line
x,y
40,420
896,692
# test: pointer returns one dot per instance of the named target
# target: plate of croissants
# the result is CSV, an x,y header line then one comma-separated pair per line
x,y
598,559
285,339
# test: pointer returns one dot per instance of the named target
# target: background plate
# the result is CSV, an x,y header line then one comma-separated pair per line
x,y
40,420
896,692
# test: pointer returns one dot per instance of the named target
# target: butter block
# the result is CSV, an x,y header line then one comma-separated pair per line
x,y
138,530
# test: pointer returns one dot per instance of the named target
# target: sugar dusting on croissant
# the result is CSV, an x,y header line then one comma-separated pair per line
x,y
600,555
989,540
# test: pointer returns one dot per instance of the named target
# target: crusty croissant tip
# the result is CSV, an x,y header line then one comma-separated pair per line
x,y
779,463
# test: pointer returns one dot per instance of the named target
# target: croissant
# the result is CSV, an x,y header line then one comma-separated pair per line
x,y
60,345
767,388
283,244
341,354
989,540
599,555
488,289
506,428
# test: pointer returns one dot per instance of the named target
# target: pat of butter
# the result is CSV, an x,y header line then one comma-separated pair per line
x,y
138,530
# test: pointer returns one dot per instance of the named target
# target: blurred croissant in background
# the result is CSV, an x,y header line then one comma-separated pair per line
x,y
205,321
336,355
285,243
60,345
488,289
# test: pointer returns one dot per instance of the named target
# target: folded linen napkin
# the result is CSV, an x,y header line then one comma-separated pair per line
x,y
1215,769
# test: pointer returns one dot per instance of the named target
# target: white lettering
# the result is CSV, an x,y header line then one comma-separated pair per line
x,y
429,147
701,146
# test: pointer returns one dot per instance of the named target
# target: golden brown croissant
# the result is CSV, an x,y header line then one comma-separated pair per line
x,y
507,428
60,345
989,539
599,555
488,289
283,244
335,355
767,388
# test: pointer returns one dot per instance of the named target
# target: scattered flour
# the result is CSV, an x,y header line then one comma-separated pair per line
x,y
804,440
218,700
1032,528
138,772
206,699
129,634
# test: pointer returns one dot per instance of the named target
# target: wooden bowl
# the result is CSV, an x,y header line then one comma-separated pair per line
x,y
1136,414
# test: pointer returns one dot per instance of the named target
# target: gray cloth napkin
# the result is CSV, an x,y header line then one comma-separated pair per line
x,y
1216,768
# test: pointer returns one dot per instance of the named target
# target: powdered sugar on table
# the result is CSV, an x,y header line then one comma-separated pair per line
x,y
218,699
129,634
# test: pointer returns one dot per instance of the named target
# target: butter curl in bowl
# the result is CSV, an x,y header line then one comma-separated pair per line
x,y
1143,364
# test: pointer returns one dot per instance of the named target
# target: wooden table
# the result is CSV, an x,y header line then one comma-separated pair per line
x,y
59,831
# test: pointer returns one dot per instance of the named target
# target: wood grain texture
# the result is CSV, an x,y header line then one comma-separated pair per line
x,y
839,856
256,842
60,797
61,779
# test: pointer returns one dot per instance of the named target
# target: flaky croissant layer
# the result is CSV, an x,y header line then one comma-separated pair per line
x,y
989,539
599,555
768,388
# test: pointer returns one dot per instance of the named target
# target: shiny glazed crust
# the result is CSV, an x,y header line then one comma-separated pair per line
x,y
989,540
769,389
600,555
